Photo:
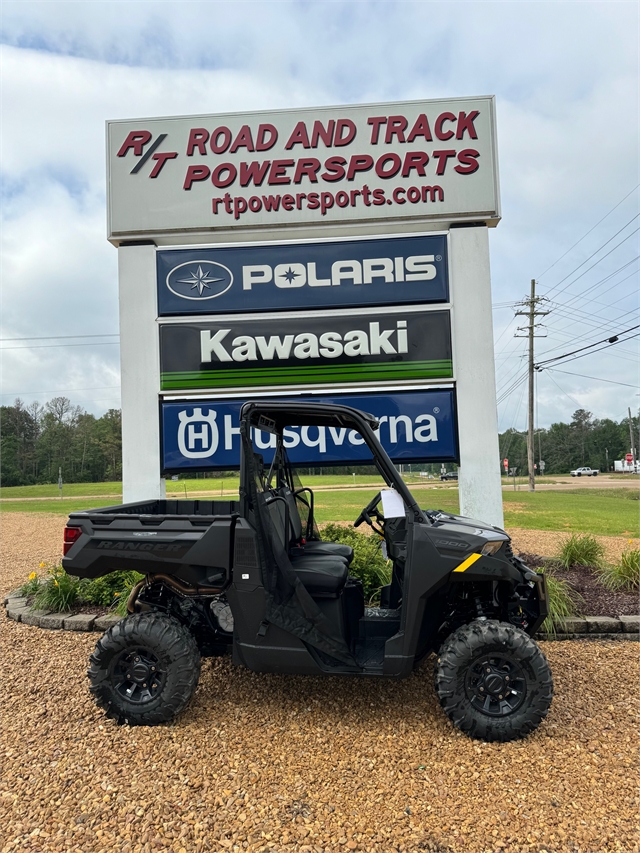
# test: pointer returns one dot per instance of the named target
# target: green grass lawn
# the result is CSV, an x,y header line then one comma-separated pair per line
x,y
608,512
50,490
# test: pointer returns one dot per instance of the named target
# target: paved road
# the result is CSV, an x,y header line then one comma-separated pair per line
x,y
559,484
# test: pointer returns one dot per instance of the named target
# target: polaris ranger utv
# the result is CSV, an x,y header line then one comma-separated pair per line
x,y
253,576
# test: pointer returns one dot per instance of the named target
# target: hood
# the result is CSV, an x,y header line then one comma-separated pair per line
x,y
445,521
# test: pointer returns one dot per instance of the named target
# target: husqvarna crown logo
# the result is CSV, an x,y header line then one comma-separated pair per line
x,y
199,280
197,434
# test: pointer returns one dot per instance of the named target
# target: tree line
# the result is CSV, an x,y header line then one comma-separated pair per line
x,y
39,441
563,447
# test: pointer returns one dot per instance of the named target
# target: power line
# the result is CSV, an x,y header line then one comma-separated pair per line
x,y
64,391
55,346
610,340
622,354
506,394
591,325
589,231
575,402
59,337
588,269
606,243
597,378
581,296
593,352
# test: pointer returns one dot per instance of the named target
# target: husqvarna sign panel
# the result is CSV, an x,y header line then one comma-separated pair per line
x,y
325,274
415,426
431,159
316,349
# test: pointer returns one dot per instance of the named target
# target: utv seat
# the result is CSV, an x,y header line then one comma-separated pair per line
x,y
323,575
315,547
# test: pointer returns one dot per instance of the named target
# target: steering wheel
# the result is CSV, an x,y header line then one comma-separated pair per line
x,y
368,511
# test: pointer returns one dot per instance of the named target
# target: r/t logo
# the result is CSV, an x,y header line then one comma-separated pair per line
x,y
197,431
137,140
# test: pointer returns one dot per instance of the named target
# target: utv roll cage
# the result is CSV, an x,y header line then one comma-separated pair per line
x,y
274,416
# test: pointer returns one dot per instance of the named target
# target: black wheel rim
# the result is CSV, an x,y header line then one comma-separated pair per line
x,y
137,676
495,685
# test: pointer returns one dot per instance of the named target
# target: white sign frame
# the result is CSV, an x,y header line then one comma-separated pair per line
x,y
174,203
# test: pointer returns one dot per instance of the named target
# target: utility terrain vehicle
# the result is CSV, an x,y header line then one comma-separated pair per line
x,y
253,576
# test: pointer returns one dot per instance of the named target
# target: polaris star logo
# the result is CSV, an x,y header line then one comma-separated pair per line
x,y
199,280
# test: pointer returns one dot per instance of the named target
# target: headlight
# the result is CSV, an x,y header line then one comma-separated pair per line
x,y
491,547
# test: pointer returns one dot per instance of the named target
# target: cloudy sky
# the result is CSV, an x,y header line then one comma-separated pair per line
x,y
565,75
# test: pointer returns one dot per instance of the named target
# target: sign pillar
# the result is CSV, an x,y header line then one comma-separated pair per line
x,y
479,481
140,369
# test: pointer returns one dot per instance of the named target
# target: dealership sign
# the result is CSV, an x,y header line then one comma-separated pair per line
x,y
315,349
323,274
420,159
414,427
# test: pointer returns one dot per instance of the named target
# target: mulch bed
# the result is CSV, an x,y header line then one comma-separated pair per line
x,y
598,601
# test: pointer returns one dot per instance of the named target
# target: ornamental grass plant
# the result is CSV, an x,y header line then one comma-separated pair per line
x,y
623,575
59,592
580,549
109,589
564,600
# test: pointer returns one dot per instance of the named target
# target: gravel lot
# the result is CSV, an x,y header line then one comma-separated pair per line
x,y
264,762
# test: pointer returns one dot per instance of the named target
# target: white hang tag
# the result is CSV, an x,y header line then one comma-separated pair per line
x,y
392,504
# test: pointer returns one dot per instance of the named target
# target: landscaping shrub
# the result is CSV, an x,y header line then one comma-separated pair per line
x,y
108,590
564,600
580,549
30,588
624,575
123,593
59,592
368,563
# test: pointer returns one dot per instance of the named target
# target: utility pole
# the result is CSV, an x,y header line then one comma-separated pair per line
x,y
530,305
633,449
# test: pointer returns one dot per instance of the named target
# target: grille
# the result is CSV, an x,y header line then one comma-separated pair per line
x,y
245,552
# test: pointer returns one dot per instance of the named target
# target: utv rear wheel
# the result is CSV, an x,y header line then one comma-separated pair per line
x,y
493,681
144,669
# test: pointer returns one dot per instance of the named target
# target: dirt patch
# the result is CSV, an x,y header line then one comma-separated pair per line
x,y
596,600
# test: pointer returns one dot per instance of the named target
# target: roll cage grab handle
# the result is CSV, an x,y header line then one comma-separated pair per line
x,y
251,410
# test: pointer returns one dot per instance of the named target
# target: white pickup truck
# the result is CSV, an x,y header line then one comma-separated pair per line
x,y
585,472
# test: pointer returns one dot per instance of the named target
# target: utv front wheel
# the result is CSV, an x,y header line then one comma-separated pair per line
x,y
144,669
493,681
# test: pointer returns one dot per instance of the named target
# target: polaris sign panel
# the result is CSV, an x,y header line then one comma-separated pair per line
x,y
336,273
370,162
415,426
315,349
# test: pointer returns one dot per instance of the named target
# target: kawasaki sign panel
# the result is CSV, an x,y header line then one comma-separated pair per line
x,y
415,426
422,159
315,349
332,273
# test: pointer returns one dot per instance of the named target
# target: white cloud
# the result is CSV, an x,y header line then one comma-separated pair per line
x,y
565,74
